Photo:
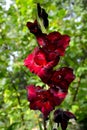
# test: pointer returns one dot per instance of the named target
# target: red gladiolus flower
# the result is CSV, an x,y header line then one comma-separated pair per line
x,y
63,117
40,99
44,100
38,64
35,61
62,78
54,42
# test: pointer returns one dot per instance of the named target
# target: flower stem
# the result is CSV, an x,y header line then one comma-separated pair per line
x,y
44,123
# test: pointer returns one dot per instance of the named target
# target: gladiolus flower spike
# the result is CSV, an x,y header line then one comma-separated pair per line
x,y
41,62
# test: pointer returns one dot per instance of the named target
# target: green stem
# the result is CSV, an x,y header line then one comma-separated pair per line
x,y
50,123
44,123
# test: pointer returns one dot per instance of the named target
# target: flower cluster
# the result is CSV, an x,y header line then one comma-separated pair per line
x,y
42,61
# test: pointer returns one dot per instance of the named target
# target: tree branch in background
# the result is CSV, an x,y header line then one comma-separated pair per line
x,y
19,102
77,89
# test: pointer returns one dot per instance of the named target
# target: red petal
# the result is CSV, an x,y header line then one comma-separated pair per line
x,y
62,44
32,91
62,78
42,39
64,124
58,95
69,115
34,28
47,108
53,36
39,58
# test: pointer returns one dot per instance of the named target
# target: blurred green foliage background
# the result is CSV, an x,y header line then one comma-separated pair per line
x,y
16,42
